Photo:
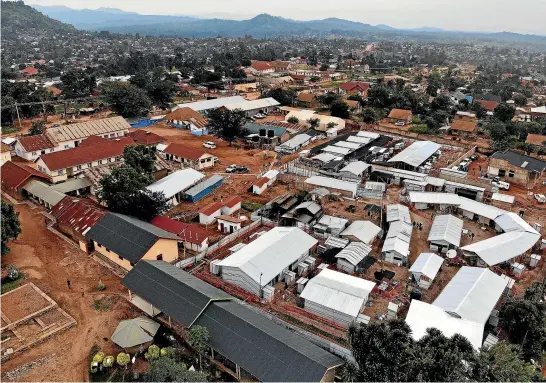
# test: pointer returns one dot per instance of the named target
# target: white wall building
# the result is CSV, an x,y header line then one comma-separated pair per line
x,y
425,268
174,185
349,259
445,233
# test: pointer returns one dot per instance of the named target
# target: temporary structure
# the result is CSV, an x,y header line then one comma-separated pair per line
x,y
135,332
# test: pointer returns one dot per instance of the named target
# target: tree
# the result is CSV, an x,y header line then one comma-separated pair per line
x,y
158,85
285,97
442,102
140,157
198,338
37,128
108,361
168,369
324,67
331,125
228,124
124,191
520,99
328,99
123,359
479,109
380,96
501,363
10,226
77,83
504,112
434,84
382,350
293,120
313,123
369,116
340,109
126,99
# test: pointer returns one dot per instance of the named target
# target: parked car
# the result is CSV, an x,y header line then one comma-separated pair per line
x,y
400,123
242,169
259,116
500,184
474,157
209,145
541,198
231,168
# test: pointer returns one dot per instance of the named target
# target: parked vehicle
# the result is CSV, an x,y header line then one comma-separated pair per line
x,y
400,123
231,168
500,184
259,116
242,169
474,157
209,145
541,198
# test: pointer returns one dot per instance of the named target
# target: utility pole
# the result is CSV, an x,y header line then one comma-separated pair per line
x,y
18,117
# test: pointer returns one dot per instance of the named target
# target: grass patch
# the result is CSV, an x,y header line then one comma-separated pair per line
x,y
100,306
9,284
251,206
421,129
10,129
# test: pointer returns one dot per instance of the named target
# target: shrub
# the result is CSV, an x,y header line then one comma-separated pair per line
x,y
92,368
101,286
123,359
13,272
153,352
108,361
99,357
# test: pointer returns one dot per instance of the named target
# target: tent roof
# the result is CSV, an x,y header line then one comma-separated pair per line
x,y
134,332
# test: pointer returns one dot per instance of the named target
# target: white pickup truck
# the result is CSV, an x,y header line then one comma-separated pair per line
x,y
541,198
500,184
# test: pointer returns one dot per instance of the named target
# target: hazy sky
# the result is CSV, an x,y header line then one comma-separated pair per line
x,y
524,16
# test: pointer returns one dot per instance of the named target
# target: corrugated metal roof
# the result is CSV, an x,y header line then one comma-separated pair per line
x,y
268,255
336,242
325,157
398,238
333,183
176,182
338,291
479,208
503,198
398,213
296,141
211,104
373,136
86,129
72,185
332,222
349,145
44,192
434,198
417,153
359,140
254,104
422,315
213,180
356,167
428,264
337,150
446,228
354,253
512,222
364,231
472,294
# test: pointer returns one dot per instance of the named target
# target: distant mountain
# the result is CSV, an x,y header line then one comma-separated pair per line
x,y
19,20
105,18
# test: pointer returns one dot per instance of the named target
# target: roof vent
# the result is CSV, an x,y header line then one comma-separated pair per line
x,y
525,164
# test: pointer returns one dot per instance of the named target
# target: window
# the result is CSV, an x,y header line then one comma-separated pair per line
x,y
511,174
159,257
131,263
79,167
112,135
89,165
60,172
67,146
41,169
33,153
120,257
100,162
51,150
502,172
99,245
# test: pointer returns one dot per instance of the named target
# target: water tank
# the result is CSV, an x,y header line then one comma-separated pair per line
x,y
262,132
270,133
416,294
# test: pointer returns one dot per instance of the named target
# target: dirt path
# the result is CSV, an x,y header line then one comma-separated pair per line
x,y
49,261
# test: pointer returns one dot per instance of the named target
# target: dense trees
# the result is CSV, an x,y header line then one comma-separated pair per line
x,y
158,85
140,157
228,124
126,99
169,369
504,112
36,128
340,109
77,82
10,226
369,116
23,92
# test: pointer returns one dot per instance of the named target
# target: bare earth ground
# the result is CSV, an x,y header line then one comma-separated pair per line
x,y
48,261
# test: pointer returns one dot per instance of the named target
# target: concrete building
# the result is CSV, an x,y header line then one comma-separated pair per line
x,y
344,187
190,157
336,296
228,224
513,166
265,261
192,236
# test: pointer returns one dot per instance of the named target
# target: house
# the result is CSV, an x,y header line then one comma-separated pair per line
x,y
29,71
445,233
397,243
255,346
515,167
246,87
190,157
354,106
362,231
346,188
538,140
175,184
280,66
42,194
328,226
350,258
488,105
538,112
303,215
74,187
208,214
294,144
400,116
61,165
415,155
354,87
75,216
187,118
465,116
228,224
251,108
15,176
462,126
204,106
266,260
463,307
264,134
425,268
354,171
146,137
204,188
261,68
191,235
336,296
5,153
307,100
231,205
126,240
32,147
259,186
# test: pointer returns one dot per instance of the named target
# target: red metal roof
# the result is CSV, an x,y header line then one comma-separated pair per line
x,y
35,143
80,214
29,71
229,218
260,66
233,201
489,105
145,137
86,153
356,84
15,175
186,231
211,208
183,151
261,182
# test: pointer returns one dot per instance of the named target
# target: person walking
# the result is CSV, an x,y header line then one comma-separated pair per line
x,y
68,282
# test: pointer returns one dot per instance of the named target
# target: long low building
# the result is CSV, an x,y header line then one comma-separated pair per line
x,y
445,233
253,343
265,260
336,296
207,105
415,155
175,184
345,187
